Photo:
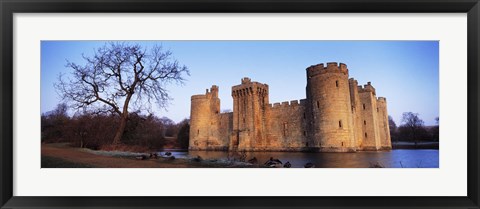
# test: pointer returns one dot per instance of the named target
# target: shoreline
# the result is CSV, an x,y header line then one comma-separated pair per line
x,y
63,156
418,146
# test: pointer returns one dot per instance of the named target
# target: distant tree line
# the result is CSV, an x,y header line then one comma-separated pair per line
x,y
413,129
96,130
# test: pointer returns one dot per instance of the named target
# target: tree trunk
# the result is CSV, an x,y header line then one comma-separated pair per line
x,y
123,118
120,130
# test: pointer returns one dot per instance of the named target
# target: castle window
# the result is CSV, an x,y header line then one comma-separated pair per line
x,y
365,134
306,144
305,133
342,144
364,122
304,116
243,120
198,132
363,106
318,104
340,123
285,128
336,83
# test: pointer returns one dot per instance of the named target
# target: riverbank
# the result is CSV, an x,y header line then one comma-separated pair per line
x,y
63,156
413,145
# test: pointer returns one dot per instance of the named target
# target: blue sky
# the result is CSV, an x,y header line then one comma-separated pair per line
x,y
405,72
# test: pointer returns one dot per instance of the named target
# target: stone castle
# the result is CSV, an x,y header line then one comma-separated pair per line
x,y
337,115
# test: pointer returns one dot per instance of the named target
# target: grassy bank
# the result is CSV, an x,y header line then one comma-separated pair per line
x,y
63,156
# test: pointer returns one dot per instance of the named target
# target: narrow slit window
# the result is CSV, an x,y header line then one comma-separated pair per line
x,y
363,106
285,129
336,83
365,134
342,144
339,123
364,122
304,133
318,104
198,131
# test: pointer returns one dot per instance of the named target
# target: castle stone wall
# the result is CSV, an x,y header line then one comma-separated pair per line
x,y
199,119
287,126
225,128
356,114
336,116
371,135
384,129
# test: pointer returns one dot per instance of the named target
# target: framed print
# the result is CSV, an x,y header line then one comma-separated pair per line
x,y
239,104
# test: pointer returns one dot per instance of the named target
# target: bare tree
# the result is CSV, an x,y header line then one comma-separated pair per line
x,y
413,123
119,74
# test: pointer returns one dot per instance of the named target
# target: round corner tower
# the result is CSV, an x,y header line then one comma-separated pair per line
x,y
330,125
203,111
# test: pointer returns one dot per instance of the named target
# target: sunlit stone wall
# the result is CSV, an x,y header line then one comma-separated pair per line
x,y
336,116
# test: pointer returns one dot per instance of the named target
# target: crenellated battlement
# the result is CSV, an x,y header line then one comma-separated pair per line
x,y
209,93
353,81
248,88
303,101
246,80
366,88
288,104
332,67
382,99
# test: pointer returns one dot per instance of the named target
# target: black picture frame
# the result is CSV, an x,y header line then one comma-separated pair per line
x,y
10,7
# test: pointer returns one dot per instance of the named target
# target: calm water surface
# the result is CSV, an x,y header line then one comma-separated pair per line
x,y
390,159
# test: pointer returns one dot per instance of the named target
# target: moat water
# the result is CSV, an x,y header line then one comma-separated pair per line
x,y
398,158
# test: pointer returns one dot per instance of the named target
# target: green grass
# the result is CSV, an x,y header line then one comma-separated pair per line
x,y
52,162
